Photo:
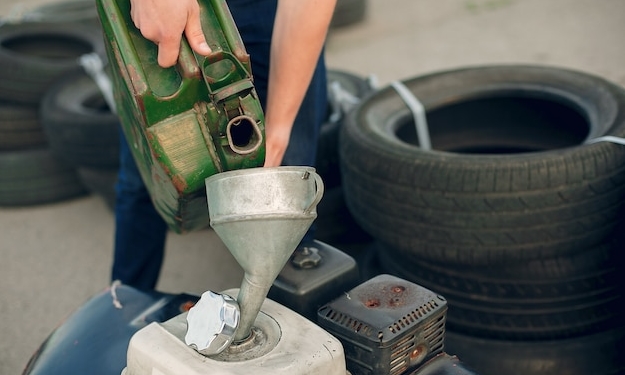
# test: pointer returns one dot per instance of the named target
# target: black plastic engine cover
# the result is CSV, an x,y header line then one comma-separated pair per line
x,y
310,280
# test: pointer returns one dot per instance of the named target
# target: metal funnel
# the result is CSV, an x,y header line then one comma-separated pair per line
x,y
261,215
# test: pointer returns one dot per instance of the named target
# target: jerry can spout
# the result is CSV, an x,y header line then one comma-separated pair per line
x,y
244,135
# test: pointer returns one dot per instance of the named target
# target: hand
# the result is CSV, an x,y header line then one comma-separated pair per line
x,y
164,22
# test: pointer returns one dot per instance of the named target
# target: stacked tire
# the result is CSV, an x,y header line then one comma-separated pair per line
x,y
32,56
83,132
515,215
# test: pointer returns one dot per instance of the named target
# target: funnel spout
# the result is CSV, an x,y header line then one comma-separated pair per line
x,y
250,298
262,246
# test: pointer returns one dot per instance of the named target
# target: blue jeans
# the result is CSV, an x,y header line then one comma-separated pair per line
x,y
140,232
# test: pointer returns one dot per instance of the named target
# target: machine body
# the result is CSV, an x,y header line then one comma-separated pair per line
x,y
95,338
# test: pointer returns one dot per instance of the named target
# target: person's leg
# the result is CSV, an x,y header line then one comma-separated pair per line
x,y
140,231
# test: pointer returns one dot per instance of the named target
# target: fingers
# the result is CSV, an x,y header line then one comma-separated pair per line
x,y
168,50
195,35
164,23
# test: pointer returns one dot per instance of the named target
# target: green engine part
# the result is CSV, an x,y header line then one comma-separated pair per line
x,y
188,122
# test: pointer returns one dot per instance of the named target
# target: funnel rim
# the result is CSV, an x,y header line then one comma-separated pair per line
x,y
257,170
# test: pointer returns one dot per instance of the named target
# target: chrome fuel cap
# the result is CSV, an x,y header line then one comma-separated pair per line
x,y
212,323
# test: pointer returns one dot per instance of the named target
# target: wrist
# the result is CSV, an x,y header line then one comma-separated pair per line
x,y
276,144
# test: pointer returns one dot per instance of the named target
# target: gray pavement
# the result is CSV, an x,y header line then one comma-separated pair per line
x,y
55,256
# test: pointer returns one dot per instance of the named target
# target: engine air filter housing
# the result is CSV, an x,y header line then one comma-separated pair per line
x,y
387,325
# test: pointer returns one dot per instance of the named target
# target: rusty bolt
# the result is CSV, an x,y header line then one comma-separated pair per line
x,y
418,354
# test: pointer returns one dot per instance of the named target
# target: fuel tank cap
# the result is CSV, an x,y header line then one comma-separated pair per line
x,y
212,323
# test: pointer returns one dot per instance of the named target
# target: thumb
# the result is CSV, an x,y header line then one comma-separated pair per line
x,y
195,36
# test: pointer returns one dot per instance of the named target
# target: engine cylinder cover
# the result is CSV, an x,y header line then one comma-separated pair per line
x,y
387,325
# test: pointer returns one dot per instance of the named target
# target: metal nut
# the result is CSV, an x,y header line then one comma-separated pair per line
x,y
306,257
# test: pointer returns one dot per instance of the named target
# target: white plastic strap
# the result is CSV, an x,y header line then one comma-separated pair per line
x,y
607,138
114,285
341,100
373,82
418,113
93,65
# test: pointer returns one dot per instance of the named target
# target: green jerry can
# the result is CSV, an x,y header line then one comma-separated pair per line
x,y
188,122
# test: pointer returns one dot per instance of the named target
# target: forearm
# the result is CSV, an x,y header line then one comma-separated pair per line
x,y
299,34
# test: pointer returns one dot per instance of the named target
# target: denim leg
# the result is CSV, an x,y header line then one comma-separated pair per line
x,y
302,149
140,232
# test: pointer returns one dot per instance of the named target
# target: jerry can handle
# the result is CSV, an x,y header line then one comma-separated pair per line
x,y
186,65
222,69
230,31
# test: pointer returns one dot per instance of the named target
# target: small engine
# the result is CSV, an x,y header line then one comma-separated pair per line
x,y
387,325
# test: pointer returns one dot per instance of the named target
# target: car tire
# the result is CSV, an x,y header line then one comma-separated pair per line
x,y
511,175
79,125
20,127
599,353
31,177
335,224
64,11
536,300
34,54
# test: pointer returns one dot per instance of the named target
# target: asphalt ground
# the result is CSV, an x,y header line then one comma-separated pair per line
x,y
56,256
